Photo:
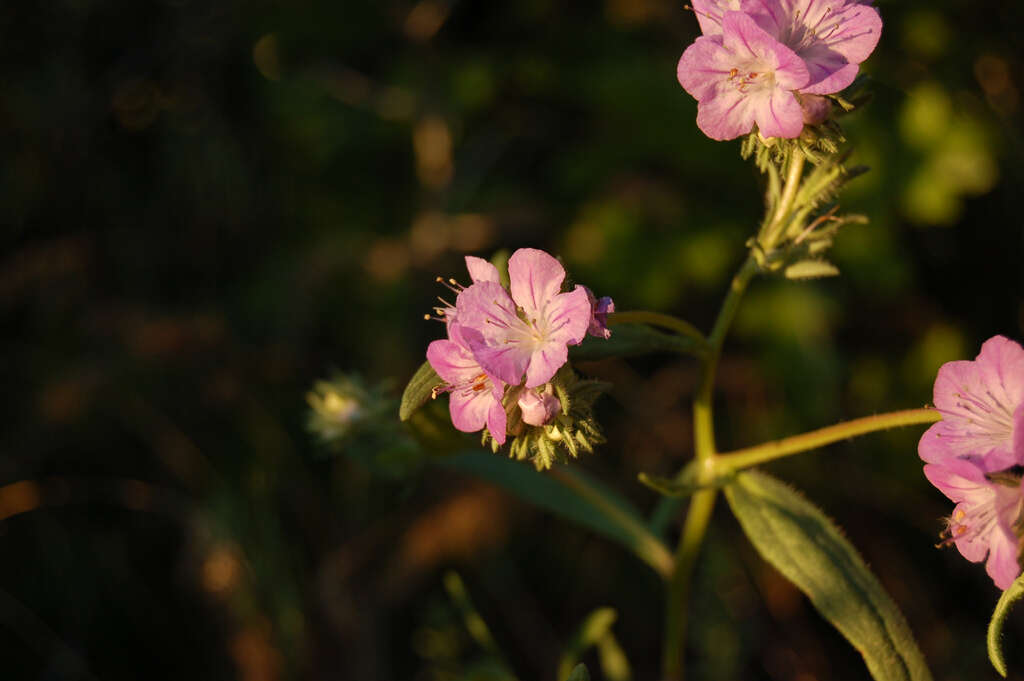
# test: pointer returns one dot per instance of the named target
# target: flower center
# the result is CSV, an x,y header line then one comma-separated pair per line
x,y
752,76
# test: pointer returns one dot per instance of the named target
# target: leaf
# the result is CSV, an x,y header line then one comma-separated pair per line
x,y
995,627
811,269
573,495
419,390
596,630
630,340
471,618
806,547
579,673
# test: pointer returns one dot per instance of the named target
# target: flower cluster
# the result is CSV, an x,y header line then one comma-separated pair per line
x,y
768,62
506,345
975,455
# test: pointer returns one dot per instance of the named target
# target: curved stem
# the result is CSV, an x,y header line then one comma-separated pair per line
x,y
703,502
703,425
751,456
683,328
697,519
789,192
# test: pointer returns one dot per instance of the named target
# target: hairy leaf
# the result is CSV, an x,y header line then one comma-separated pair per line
x,y
807,548
811,269
573,495
995,627
630,340
418,390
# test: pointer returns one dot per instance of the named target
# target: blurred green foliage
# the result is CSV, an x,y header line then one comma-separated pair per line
x,y
207,206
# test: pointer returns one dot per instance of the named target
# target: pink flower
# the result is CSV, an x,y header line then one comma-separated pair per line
x,y
832,36
986,518
982,405
742,77
475,395
525,333
539,405
974,453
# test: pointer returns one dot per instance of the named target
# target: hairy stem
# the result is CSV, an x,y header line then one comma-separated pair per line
x,y
752,456
703,422
703,502
794,176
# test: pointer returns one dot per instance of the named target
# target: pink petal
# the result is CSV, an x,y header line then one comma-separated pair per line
x,y
470,409
1001,361
497,421
779,115
1002,564
536,277
567,317
481,270
1018,435
709,14
961,481
545,363
829,77
452,363
726,115
704,66
853,31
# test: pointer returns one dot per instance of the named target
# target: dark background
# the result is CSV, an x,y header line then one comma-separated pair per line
x,y
206,206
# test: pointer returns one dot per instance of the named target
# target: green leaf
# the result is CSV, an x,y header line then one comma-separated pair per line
x,y
995,627
471,618
419,390
630,340
579,673
811,269
806,547
575,496
595,625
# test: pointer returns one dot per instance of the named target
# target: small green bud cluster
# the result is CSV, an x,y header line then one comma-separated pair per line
x,y
801,216
350,417
572,430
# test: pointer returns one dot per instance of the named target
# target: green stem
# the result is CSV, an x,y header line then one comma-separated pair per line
x,y
703,423
697,519
703,503
647,547
752,456
664,321
789,192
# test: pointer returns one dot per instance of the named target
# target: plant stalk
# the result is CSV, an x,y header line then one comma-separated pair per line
x,y
769,451
703,503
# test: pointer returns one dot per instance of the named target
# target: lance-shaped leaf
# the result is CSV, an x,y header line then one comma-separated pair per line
x,y
807,548
995,627
580,673
596,630
418,391
811,269
574,495
631,340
